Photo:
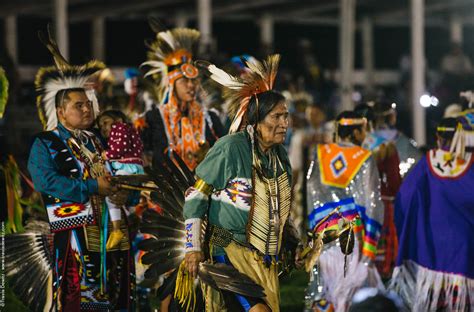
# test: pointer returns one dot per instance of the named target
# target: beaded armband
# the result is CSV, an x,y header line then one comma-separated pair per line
x,y
193,234
203,187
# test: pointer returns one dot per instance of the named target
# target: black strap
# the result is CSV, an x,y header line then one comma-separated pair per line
x,y
61,154
221,237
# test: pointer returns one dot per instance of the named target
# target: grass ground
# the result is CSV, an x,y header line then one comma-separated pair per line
x,y
292,291
12,304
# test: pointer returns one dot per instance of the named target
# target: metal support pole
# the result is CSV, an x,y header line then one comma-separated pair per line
x,y
455,27
181,20
418,69
205,23
346,51
61,27
98,38
267,33
11,37
368,53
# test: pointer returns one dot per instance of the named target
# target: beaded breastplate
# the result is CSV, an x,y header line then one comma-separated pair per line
x,y
270,209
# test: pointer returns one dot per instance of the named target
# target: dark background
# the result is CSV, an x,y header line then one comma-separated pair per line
x,y
125,42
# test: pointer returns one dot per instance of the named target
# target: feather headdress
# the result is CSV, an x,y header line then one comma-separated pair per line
x,y
259,77
49,80
3,91
169,57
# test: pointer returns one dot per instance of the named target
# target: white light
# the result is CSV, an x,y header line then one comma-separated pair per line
x,y
405,166
434,101
425,100
356,96
394,105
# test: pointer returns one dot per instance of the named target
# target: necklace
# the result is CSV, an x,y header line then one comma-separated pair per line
x,y
271,202
94,161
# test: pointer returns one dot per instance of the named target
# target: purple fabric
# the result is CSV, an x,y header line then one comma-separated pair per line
x,y
435,221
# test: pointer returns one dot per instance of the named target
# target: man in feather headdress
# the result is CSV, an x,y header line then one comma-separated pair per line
x,y
179,124
67,168
345,216
244,189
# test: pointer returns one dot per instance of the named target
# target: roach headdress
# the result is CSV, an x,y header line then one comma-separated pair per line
x,y
50,80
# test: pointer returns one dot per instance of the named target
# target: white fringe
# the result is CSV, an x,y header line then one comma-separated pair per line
x,y
421,288
339,289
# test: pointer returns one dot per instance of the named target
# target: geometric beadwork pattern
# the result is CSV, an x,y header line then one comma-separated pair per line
x,y
338,165
66,215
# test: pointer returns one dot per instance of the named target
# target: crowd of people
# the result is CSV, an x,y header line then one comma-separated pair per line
x,y
233,182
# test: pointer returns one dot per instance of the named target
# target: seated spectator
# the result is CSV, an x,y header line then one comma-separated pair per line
x,y
456,62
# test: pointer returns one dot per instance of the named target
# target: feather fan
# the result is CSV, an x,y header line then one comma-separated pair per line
x,y
225,277
164,251
27,255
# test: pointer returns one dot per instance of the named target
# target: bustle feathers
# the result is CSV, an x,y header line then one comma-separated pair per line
x,y
165,249
29,255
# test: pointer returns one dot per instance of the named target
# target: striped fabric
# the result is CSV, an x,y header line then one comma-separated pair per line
x,y
370,228
93,237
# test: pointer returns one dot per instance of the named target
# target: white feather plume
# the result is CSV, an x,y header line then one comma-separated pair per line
x,y
90,93
168,37
157,67
224,78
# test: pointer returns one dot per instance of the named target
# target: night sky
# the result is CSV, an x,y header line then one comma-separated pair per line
x,y
125,42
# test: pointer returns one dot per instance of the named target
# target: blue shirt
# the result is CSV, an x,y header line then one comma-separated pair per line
x,y
48,179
